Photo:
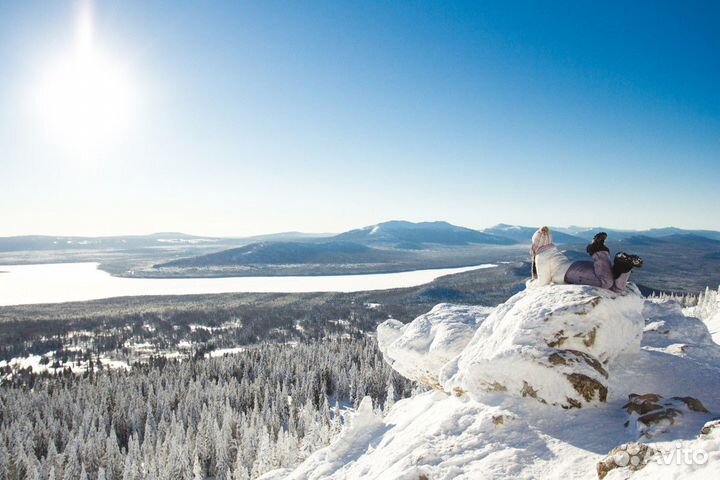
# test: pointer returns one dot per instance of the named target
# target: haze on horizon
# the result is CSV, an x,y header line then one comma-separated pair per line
x,y
233,119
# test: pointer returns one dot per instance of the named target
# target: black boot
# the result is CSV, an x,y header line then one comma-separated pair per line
x,y
622,264
598,244
637,262
625,262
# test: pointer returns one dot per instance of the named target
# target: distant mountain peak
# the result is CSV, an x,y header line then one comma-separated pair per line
x,y
506,226
523,234
404,234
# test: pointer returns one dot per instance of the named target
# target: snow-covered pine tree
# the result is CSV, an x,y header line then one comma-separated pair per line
x,y
390,399
4,460
131,470
112,459
239,470
72,468
197,470
223,444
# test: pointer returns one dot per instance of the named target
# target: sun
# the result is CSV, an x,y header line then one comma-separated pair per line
x,y
84,99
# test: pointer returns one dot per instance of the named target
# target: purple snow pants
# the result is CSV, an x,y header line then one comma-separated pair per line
x,y
597,273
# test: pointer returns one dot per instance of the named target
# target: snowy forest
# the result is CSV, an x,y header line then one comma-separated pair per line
x,y
283,394
124,388
705,303
233,417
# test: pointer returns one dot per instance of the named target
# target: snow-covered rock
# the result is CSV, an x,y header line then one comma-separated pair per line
x,y
631,457
670,326
694,458
419,349
671,329
554,344
440,436
650,414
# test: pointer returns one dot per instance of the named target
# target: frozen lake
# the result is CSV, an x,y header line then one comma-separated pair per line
x,y
70,282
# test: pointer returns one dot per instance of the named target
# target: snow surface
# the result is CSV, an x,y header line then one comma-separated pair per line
x,y
708,310
44,363
221,352
441,436
713,324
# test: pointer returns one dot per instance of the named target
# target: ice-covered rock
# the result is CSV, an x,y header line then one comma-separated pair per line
x,y
554,344
420,348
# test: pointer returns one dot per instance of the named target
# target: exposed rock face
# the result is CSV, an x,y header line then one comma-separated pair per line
x,y
633,456
651,414
419,349
554,344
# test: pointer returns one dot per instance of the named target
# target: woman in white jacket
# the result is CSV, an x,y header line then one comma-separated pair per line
x,y
550,265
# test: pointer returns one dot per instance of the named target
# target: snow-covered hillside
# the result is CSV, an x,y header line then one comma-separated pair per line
x,y
550,383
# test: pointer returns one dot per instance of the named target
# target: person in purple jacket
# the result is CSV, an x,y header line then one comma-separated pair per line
x,y
550,265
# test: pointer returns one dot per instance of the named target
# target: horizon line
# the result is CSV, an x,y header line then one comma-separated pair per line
x,y
320,234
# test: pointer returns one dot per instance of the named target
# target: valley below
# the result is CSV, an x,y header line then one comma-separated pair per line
x,y
205,321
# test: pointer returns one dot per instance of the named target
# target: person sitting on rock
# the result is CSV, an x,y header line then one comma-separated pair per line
x,y
550,265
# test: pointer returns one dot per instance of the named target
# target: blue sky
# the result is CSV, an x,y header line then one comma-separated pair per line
x,y
255,117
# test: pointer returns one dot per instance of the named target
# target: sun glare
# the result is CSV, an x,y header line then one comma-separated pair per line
x,y
84,99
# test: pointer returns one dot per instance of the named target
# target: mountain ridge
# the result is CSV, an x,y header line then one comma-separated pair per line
x,y
379,233
399,241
